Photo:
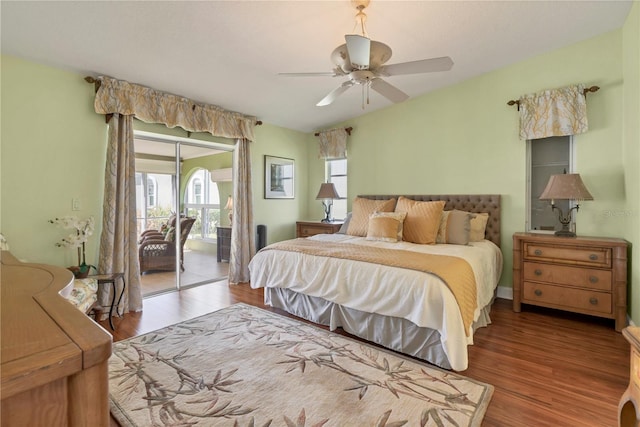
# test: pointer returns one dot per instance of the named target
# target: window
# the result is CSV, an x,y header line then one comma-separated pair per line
x,y
336,172
546,157
152,192
202,201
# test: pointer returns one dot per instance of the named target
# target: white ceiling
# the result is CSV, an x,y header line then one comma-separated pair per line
x,y
229,53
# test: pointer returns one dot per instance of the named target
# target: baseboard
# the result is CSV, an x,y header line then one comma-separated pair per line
x,y
505,292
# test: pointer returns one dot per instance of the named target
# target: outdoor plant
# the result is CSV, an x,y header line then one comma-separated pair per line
x,y
77,239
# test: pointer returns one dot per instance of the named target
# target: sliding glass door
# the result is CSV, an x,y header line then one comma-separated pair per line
x,y
179,211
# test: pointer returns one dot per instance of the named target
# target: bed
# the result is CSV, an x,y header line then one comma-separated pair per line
x,y
405,308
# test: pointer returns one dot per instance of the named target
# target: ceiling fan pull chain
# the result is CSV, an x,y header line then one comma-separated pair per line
x,y
368,85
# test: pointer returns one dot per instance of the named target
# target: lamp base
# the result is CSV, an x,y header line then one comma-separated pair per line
x,y
325,220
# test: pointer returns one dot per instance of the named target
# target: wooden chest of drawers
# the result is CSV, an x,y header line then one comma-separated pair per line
x,y
585,275
311,228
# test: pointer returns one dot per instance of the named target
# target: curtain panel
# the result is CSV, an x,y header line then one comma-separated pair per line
x,y
118,241
333,144
243,242
153,106
554,112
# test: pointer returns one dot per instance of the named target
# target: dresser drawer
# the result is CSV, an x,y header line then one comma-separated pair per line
x,y
589,256
569,276
310,230
585,301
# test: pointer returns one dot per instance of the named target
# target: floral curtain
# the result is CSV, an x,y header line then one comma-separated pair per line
x,y
555,112
153,106
118,245
243,245
333,144
124,100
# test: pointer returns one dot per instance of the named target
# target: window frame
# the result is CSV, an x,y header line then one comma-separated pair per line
x,y
342,202
529,168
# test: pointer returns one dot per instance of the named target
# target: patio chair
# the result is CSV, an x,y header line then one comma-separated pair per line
x,y
157,252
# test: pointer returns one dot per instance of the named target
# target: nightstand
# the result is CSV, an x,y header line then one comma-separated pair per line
x,y
311,228
585,275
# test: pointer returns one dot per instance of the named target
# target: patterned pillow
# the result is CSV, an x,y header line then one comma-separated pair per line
x,y
422,221
386,226
362,209
455,227
478,227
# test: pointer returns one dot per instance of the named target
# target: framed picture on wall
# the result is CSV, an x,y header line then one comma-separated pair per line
x,y
279,178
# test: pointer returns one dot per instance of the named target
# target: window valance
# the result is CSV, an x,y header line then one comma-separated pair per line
x,y
333,143
153,106
554,112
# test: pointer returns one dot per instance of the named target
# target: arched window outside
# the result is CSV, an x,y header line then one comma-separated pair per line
x,y
152,192
202,201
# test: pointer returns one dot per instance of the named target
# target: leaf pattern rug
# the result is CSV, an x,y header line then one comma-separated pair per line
x,y
244,366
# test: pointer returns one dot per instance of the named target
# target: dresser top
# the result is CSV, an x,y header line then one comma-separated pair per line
x,y
581,240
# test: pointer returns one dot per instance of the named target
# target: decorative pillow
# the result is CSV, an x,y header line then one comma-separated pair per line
x,y
422,221
478,226
362,209
455,227
345,225
171,234
386,226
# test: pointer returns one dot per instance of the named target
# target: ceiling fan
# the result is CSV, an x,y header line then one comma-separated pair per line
x,y
362,61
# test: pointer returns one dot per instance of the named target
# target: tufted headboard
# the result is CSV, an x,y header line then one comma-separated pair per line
x,y
477,203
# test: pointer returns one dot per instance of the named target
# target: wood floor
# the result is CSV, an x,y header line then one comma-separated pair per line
x,y
549,368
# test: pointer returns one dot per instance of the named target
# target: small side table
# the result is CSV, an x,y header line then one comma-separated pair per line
x,y
112,278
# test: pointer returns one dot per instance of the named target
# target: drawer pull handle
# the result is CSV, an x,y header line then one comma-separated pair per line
x,y
593,257
538,292
538,272
593,301
537,252
593,279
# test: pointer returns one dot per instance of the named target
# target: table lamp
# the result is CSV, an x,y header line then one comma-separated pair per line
x,y
229,207
565,187
327,193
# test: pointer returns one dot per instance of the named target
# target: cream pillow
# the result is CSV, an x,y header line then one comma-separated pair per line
x,y
386,226
455,227
478,226
362,209
422,221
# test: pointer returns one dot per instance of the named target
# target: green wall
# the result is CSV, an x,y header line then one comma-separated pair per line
x,y
631,148
464,139
53,150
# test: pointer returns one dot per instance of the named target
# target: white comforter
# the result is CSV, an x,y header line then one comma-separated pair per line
x,y
421,298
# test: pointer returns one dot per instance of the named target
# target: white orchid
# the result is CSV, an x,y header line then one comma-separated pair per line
x,y
83,229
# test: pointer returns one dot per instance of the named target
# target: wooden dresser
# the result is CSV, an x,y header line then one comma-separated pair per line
x,y
54,357
311,228
585,275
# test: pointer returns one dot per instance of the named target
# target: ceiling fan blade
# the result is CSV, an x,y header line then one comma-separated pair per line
x,y
335,94
443,63
359,49
328,74
389,91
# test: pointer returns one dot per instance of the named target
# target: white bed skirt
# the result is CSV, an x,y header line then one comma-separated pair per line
x,y
394,333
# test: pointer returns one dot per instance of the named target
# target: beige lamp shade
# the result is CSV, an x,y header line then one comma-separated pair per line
x,y
565,187
229,204
327,191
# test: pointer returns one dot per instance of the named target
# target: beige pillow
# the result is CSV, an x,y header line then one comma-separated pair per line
x,y
455,227
478,226
386,226
422,221
362,209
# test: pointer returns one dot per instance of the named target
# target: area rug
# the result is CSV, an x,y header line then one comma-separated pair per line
x,y
244,366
